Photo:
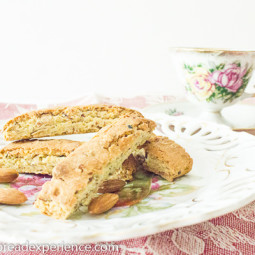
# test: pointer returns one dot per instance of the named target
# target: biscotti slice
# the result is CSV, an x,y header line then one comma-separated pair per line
x,y
77,178
41,156
36,156
166,158
63,121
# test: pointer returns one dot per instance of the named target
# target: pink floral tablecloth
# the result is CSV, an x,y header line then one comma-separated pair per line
x,y
233,233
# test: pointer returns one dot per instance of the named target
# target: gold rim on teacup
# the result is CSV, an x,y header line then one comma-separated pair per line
x,y
211,50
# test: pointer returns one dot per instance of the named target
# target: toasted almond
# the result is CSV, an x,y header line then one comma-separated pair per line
x,y
8,175
110,186
103,203
11,196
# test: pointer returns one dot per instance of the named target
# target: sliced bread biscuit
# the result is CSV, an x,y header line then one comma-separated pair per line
x,y
165,158
63,121
77,178
41,156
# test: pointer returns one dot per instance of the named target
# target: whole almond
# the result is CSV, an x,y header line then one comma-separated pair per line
x,y
103,203
11,196
111,186
8,175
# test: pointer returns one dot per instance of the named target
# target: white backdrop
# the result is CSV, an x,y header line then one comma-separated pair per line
x,y
53,50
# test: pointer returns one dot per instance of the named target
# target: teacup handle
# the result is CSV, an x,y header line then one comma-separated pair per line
x,y
250,89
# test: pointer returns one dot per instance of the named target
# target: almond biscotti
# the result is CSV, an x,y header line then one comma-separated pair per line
x,y
41,156
36,156
63,121
77,178
166,158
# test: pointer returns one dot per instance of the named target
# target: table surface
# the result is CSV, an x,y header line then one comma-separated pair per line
x,y
233,233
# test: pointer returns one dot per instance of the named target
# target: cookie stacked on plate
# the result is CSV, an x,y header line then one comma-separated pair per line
x,y
79,169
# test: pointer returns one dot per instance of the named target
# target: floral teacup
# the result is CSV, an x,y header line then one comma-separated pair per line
x,y
214,78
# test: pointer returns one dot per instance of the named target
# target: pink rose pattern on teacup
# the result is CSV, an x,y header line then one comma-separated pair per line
x,y
224,82
230,77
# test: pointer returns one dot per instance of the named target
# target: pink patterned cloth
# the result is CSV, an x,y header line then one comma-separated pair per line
x,y
233,233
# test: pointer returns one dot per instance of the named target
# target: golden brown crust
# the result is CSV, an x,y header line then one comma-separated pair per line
x,y
53,147
36,156
77,178
166,158
63,120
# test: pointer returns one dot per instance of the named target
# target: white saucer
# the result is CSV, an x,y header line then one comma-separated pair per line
x,y
239,116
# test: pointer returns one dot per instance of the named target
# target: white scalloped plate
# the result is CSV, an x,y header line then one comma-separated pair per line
x,y
222,180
